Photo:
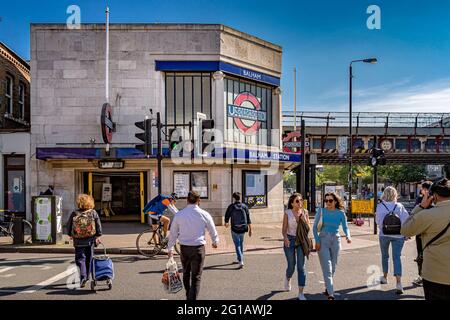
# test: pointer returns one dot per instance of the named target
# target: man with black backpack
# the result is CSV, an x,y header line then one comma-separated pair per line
x,y
433,226
240,224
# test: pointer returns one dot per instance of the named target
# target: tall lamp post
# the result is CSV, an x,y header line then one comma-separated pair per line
x,y
350,127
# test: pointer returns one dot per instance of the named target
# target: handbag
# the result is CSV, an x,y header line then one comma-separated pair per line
x,y
171,277
320,223
419,259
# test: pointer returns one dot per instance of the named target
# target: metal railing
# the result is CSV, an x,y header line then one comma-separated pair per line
x,y
369,119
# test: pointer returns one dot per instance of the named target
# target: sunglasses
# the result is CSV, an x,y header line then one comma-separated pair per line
x,y
298,201
329,200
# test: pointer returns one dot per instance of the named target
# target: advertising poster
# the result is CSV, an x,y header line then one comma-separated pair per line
x,y
200,183
43,218
181,184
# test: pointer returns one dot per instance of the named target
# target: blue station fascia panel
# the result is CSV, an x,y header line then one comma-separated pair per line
x,y
211,66
131,153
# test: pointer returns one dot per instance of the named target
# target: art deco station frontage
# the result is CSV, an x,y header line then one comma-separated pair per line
x,y
177,70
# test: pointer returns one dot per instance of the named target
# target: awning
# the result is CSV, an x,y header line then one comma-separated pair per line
x,y
44,153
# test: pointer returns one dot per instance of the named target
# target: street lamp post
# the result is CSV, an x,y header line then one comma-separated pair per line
x,y
350,127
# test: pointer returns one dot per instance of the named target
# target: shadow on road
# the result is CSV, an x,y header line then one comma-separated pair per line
x,y
221,267
32,262
269,295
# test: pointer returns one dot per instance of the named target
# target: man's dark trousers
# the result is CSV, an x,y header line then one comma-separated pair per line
x,y
436,291
192,258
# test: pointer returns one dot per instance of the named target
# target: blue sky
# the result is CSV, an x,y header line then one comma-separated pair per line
x,y
320,38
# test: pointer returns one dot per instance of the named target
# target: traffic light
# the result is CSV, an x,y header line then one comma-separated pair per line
x,y
377,157
145,136
206,136
175,139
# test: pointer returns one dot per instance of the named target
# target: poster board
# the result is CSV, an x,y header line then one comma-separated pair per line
x,y
106,192
43,219
362,206
199,182
181,183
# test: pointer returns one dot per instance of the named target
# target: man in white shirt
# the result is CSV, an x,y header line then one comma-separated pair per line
x,y
188,226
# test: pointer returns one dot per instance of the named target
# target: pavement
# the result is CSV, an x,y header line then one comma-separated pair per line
x,y
120,238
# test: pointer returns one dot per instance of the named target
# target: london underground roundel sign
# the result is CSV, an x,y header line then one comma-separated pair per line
x,y
246,112
289,144
107,123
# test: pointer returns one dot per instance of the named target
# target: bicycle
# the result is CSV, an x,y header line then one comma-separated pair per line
x,y
149,244
6,227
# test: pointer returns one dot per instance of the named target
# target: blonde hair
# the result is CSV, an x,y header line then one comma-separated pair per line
x,y
85,202
389,194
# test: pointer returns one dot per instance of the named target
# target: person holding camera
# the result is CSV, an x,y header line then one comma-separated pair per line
x,y
433,227
424,191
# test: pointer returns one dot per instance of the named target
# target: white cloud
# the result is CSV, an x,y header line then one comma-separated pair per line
x,y
430,97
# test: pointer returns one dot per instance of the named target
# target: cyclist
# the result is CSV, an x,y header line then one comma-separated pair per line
x,y
156,207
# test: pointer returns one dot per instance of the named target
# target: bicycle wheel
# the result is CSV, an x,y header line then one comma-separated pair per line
x,y
27,231
147,243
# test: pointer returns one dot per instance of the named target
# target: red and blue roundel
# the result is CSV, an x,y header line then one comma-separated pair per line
x,y
247,114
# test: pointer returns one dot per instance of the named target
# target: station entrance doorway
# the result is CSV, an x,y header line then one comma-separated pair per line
x,y
119,196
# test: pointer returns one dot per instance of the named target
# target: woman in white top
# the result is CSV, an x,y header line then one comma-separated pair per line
x,y
291,218
387,205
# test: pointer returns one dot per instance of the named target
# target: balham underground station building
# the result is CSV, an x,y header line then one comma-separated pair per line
x,y
178,70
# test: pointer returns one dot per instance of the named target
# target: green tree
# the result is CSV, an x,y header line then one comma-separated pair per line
x,y
401,173
289,180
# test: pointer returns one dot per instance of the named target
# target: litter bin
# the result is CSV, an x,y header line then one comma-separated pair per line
x,y
18,230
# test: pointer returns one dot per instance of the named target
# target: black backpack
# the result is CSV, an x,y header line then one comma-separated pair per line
x,y
239,218
391,222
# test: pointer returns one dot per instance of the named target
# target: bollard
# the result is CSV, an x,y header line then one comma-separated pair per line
x,y
18,230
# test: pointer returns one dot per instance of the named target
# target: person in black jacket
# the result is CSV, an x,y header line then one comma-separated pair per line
x,y
84,245
240,224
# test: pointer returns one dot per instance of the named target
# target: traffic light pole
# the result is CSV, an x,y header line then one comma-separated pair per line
x,y
159,155
303,163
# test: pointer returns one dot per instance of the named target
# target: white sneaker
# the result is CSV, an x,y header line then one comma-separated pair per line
x,y
287,284
241,264
399,288
301,296
383,280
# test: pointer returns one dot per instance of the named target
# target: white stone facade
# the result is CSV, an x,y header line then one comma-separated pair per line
x,y
67,92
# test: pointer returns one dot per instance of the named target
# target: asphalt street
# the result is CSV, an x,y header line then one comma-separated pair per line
x,y
47,276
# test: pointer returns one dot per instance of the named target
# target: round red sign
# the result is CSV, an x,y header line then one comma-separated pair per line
x,y
248,101
107,123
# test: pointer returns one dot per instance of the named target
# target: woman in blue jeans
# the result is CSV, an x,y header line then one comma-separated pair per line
x,y
328,240
389,204
294,255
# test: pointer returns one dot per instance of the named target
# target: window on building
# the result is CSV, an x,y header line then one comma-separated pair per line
x,y
254,188
249,111
184,181
21,113
187,94
14,187
9,94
